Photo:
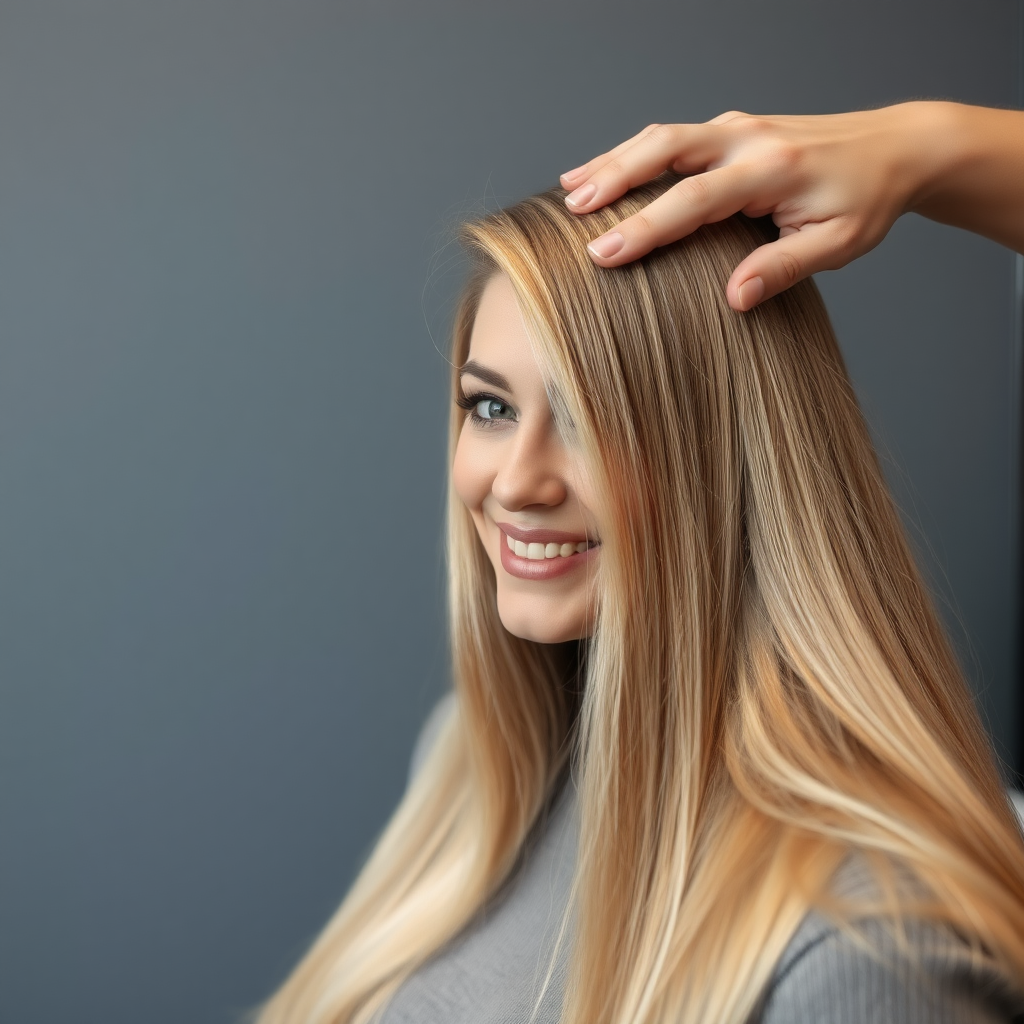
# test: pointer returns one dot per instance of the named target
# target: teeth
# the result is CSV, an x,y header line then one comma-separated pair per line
x,y
541,551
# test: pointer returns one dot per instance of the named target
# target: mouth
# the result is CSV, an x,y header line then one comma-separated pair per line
x,y
543,554
539,551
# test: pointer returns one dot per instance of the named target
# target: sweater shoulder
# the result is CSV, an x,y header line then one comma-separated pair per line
x,y
430,731
830,975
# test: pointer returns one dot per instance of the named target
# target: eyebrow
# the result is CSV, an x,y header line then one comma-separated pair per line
x,y
488,376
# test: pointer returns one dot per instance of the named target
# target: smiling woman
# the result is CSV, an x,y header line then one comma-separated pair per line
x,y
528,491
782,805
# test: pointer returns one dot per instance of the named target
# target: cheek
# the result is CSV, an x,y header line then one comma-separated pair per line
x,y
471,475
586,490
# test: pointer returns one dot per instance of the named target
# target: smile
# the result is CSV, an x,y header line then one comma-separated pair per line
x,y
544,558
552,550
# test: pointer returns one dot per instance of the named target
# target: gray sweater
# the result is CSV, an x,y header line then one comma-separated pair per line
x,y
495,969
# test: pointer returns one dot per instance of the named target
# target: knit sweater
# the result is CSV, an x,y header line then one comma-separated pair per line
x,y
494,970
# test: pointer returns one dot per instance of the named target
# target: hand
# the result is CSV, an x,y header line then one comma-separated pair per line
x,y
834,184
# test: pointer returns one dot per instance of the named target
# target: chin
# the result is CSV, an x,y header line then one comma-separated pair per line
x,y
540,628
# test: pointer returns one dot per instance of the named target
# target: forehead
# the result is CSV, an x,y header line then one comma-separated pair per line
x,y
500,341
500,338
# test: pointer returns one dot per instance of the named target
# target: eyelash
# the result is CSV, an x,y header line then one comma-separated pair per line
x,y
470,402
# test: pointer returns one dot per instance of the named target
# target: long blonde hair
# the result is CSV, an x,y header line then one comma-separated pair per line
x,y
768,686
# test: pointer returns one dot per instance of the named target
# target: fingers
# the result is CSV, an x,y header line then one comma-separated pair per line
x,y
580,173
681,147
798,253
700,199
825,179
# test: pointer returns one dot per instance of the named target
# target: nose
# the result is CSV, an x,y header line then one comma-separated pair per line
x,y
531,470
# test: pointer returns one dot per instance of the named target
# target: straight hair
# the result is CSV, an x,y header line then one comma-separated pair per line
x,y
767,689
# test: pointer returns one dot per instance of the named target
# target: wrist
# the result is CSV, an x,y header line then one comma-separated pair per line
x,y
975,167
976,181
934,141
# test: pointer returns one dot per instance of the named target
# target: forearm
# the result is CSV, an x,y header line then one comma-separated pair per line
x,y
971,172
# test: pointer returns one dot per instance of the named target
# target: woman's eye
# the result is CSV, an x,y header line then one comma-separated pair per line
x,y
486,410
490,409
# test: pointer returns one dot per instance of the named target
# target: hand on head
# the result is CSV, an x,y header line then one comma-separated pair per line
x,y
834,184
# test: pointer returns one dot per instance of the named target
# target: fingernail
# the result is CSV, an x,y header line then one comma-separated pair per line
x,y
750,293
607,245
582,195
570,175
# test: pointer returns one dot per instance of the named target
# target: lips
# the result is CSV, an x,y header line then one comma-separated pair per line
x,y
542,568
537,536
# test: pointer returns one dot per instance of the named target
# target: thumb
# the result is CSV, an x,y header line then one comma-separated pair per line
x,y
776,266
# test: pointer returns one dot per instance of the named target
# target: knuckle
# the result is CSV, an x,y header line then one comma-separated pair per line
x,y
748,126
791,268
784,158
695,190
661,134
612,170
641,224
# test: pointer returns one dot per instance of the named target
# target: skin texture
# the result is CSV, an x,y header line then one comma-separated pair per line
x,y
517,469
833,183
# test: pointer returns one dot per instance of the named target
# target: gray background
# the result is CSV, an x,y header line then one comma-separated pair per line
x,y
224,281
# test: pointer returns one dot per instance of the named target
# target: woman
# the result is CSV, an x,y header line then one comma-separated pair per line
x,y
693,661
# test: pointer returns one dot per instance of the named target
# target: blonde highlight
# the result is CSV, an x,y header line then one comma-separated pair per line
x,y
768,686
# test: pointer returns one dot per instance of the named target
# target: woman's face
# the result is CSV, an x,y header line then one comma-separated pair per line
x,y
521,482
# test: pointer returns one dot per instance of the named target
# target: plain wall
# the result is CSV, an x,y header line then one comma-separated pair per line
x,y
225,271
